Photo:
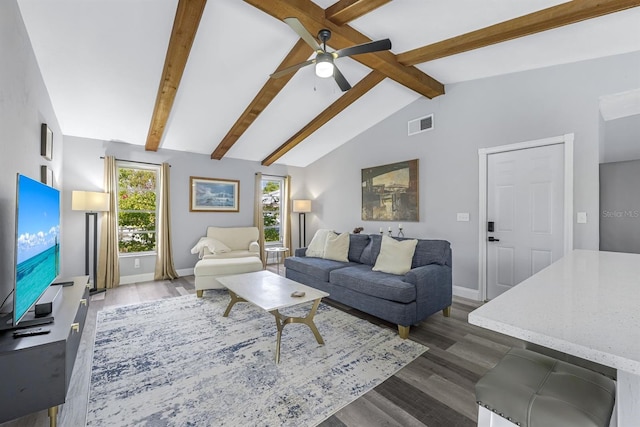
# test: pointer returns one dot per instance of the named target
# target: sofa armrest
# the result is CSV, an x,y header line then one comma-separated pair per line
x,y
301,252
254,247
434,287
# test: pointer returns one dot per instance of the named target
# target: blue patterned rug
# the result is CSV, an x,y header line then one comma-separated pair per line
x,y
178,362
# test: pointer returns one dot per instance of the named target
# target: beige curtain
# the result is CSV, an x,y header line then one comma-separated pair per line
x,y
108,261
258,221
286,214
164,257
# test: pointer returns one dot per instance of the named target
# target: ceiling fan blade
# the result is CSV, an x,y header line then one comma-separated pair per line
x,y
342,82
291,69
363,48
305,35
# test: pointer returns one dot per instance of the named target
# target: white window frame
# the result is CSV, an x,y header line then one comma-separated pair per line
x,y
266,178
133,165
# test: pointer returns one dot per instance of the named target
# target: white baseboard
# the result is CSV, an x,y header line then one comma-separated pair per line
x,y
468,293
134,278
185,272
147,277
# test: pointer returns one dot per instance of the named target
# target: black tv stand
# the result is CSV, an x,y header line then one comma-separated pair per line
x,y
36,370
28,321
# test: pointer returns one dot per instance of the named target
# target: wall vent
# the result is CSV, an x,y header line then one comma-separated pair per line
x,y
421,124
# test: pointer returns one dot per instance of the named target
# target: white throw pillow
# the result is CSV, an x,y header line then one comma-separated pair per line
x,y
337,247
316,247
214,246
395,256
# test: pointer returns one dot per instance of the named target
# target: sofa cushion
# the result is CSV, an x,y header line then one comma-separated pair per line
x,y
357,243
371,251
337,247
395,256
316,247
431,252
360,278
318,268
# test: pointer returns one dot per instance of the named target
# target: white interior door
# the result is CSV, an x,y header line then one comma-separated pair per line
x,y
525,203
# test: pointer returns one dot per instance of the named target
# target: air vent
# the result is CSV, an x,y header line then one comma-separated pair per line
x,y
421,124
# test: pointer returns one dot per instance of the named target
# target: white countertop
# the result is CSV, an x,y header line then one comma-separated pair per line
x,y
586,304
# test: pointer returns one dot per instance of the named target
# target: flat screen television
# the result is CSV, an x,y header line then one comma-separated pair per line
x,y
37,250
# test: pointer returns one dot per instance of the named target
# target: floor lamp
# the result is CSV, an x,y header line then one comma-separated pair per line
x,y
302,207
91,202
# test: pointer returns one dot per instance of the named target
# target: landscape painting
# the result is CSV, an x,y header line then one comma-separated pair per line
x,y
390,192
214,195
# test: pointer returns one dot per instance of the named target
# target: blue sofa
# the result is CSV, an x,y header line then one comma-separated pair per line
x,y
401,299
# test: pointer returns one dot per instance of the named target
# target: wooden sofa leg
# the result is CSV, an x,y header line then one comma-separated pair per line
x,y
403,331
446,311
199,293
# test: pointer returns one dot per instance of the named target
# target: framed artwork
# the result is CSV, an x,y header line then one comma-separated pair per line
x,y
46,175
390,192
46,142
214,195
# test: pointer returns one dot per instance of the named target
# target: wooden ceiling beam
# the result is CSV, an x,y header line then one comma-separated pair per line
x,y
185,26
300,52
313,18
536,22
348,98
347,10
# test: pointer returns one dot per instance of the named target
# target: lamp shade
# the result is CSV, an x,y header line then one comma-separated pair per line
x,y
89,201
301,206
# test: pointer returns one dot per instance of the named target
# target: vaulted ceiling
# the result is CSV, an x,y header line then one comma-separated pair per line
x,y
193,75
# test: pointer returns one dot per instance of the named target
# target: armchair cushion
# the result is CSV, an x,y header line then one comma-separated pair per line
x,y
208,246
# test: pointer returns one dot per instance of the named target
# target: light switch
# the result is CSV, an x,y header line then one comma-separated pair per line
x,y
463,216
582,217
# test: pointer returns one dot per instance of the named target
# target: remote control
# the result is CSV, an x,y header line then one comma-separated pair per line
x,y
297,294
31,332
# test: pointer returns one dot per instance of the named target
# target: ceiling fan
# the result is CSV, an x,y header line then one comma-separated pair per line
x,y
324,60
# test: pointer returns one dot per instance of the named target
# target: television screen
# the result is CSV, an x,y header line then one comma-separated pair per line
x,y
37,253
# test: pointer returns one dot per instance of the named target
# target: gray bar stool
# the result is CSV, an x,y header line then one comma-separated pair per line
x,y
529,389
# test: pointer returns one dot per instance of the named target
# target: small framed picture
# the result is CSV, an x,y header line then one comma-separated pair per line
x,y
46,175
214,195
46,142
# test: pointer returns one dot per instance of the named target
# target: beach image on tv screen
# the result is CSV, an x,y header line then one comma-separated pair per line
x,y
38,243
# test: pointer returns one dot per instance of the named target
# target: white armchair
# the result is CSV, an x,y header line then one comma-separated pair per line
x,y
228,242
224,251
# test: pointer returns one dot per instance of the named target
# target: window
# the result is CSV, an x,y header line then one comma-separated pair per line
x,y
272,209
137,210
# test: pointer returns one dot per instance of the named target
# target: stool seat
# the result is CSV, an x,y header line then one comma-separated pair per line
x,y
533,390
207,270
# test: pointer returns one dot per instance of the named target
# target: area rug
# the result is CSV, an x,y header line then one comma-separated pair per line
x,y
178,362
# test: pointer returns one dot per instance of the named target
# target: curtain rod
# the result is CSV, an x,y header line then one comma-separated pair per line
x,y
136,161
269,174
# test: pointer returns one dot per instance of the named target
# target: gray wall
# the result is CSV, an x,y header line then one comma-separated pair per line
x,y
483,113
620,206
24,106
621,139
83,170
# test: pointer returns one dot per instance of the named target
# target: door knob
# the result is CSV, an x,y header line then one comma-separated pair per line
x,y
493,239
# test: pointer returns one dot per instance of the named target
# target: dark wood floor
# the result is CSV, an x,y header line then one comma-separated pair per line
x,y
437,389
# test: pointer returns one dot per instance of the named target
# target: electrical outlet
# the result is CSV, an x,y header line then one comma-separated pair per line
x,y
136,263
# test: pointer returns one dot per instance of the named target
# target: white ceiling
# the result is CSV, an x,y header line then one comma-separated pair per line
x,y
101,61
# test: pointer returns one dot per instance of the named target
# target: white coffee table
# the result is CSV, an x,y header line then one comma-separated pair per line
x,y
271,293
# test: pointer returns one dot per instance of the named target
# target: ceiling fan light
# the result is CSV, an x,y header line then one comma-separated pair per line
x,y
324,65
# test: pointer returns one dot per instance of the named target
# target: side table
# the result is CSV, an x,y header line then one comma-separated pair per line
x,y
279,253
